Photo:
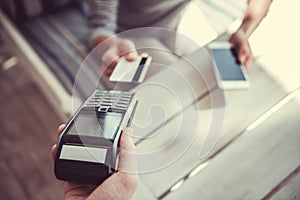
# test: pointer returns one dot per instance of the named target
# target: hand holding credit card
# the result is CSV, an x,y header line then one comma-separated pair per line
x,y
131,71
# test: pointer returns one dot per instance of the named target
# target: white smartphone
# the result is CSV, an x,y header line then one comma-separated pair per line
x,y
230,74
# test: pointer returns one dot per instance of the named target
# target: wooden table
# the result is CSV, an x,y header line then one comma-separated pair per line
x,y
184,123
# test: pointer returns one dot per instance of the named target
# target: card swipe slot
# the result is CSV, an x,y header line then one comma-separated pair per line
x,y
140,69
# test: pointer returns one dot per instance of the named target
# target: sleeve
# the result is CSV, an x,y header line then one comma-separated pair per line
x,y
102,17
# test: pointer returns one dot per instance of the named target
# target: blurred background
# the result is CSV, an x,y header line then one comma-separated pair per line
x,y
39,58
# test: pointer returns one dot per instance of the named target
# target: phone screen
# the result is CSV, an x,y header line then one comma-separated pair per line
x,y
229,68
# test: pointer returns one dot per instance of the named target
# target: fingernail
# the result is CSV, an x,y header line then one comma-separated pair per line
x,y
53,147
132,55
144,54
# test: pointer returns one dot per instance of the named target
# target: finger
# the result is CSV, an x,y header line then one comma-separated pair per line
x,y
108,71
126,46
123,182
131,56
53,151
241,56
110,68
248,62
54,147
126,143
110,56
127,155
60,128
242,59
245,57
144,54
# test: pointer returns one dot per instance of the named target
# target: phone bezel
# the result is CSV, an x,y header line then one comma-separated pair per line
x,y
227,84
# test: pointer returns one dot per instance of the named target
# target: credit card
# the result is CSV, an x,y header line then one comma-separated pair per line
x,y
131,71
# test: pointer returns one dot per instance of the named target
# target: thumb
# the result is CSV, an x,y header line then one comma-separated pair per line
x,y
54,147
126,143
120,185
128,161
131,56
242,58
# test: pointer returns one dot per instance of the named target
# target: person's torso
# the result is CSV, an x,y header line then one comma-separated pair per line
x,y
146,13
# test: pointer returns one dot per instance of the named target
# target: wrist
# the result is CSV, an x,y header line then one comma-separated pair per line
x,y
247,27
98,35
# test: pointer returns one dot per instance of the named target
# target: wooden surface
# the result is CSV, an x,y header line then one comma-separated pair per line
x,y
142,191
155,183
232,166
290,188
28,130
175,116
177,143
254,164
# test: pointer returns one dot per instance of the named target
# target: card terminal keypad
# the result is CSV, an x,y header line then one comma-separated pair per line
x,y
105,100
